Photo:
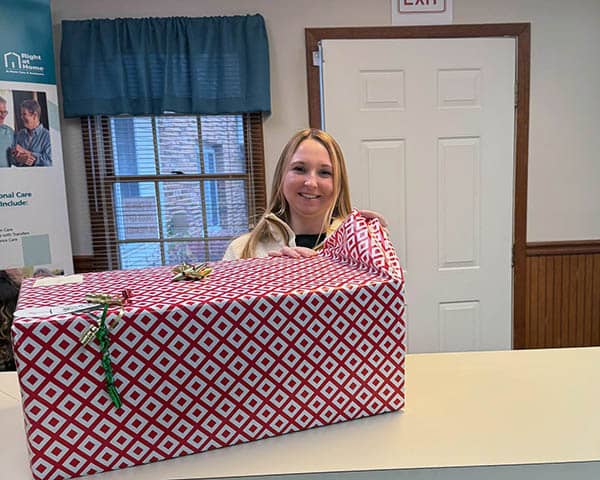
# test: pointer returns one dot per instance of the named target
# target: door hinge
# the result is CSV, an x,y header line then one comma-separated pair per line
x,y
316,57
516,95
512,260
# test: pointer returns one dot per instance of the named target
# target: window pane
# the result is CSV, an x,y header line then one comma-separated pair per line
x,y
226,207
178,145
190,252
224,135
195,252
181,205
136,215
133,145
216,249
139,255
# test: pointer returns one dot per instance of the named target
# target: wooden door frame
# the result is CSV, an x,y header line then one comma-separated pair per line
x,y
521,32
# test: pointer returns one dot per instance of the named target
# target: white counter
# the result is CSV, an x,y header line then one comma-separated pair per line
x,y
515,414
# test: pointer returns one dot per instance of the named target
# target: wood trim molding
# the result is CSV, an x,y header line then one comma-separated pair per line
x,y
572,247
83,263
521,173
522,33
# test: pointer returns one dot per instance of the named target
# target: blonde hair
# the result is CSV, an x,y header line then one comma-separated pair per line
x,y
278,205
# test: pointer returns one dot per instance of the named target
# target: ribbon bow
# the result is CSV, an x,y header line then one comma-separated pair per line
x,y
105,299
187,271
101,332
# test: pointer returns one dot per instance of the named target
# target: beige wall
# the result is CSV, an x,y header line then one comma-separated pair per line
x,y
564,167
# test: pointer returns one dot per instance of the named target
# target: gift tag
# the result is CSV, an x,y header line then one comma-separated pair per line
x,y
37,312
60,280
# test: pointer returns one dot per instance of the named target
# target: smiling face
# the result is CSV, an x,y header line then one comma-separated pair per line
x,y
30,119
3,112
308,187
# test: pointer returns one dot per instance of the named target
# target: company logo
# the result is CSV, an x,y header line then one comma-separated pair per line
x,y
23,63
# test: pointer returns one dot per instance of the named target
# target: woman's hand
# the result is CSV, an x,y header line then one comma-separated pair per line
x,y
371,214
293,252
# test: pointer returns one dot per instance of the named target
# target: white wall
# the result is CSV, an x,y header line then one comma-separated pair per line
x,y
564,201
564,145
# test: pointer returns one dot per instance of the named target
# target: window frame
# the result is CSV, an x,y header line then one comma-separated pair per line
x,y
101,177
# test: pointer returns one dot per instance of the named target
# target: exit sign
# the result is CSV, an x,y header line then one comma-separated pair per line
x,y
421,12
420,6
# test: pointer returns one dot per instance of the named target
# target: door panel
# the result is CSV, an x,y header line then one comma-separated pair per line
x,y
458,203
427,129
380,160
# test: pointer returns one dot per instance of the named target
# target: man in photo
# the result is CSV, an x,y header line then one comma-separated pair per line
x,y
7,135
31,147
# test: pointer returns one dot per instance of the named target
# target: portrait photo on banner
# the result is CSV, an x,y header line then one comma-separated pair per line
x,y
24,129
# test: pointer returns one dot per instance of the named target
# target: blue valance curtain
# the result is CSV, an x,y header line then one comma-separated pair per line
x,y
150,66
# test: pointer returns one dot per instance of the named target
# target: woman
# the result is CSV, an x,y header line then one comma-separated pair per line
x,y
309,199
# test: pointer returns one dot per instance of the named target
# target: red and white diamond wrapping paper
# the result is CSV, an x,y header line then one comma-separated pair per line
x,y
261,348
365,244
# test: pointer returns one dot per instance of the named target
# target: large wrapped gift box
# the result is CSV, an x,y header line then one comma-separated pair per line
x,y
261,347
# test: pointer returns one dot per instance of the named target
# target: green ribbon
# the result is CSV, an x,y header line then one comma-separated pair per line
x,y
104,341
101,332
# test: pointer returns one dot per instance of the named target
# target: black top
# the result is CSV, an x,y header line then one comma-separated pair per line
x,y
309,241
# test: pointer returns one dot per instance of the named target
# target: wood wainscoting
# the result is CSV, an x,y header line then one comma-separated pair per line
x,y
562,295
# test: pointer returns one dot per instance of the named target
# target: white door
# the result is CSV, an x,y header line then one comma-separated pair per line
x,y
427,129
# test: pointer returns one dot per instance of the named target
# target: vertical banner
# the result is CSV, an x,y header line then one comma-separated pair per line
x,y
34,225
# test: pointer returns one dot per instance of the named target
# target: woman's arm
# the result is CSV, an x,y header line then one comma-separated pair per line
x,y
293,252
371,214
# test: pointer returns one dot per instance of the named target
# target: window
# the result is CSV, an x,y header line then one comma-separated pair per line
x,y
168,189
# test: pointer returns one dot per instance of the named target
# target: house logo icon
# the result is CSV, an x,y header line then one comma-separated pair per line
x,y
12,61
24,63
